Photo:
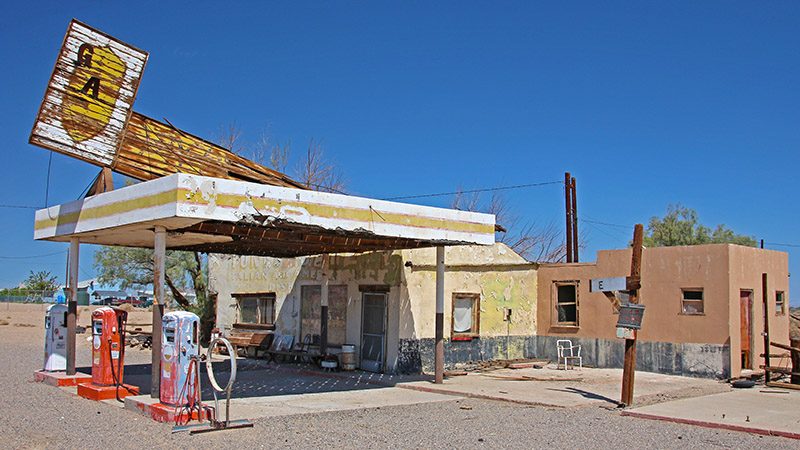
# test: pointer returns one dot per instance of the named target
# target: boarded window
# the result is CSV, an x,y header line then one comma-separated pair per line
x,y
311,313
256,308
692,302
567,303
780,303
466,316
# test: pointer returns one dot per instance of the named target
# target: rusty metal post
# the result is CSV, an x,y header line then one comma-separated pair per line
x,y
72,303
568,204
574,221
629,367
765,299
439,356
159,265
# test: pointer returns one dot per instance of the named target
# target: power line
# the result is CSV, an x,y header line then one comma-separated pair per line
x,y
20,207
34,256
597,222
471,191
777,244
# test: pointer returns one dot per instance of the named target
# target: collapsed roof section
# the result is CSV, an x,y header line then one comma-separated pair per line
x,y
225,216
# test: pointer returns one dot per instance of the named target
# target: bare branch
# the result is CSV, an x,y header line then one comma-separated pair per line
x,y
229,137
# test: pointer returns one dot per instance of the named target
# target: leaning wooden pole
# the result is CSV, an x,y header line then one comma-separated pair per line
x,y
629,367
568,211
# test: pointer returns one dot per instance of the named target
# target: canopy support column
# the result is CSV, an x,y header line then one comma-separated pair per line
x,y
323,322
439,356
72,303
159,266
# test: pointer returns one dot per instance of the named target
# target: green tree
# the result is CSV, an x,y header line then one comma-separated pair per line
x,y
41,281
133,268
680,226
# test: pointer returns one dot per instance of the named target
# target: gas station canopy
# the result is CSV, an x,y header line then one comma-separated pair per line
x,y
217,215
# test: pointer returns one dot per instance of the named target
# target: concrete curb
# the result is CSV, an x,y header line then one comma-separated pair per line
x,y
715,425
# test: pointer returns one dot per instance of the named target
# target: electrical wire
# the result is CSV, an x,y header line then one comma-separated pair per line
x,y
471,191
33,256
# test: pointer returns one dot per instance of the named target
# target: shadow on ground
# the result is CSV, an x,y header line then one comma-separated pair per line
x,y
259,378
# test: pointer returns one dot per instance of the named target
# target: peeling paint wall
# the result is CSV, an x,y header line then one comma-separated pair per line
x,y
503,279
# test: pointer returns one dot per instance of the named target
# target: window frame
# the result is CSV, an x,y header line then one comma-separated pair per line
x,y
782,311
475,332
702,301
555,321
260,297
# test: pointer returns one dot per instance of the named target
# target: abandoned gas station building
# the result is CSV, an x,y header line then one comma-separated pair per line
x,y
704,313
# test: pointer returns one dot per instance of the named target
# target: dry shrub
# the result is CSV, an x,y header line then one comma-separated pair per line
x,y
26,325
126,307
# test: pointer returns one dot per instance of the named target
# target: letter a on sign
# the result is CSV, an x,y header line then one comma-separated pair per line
x,y
90,96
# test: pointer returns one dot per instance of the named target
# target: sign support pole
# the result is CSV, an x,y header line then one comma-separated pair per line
x,y
629,367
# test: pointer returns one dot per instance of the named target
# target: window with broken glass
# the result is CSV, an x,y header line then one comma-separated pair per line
x,y
465,323
256,308
692,302
567,303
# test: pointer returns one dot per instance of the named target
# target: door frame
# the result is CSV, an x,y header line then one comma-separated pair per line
x,y
748,363
382,365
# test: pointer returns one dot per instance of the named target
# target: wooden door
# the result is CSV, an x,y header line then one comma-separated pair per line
x,y
745,311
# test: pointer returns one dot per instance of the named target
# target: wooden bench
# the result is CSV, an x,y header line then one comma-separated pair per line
x,y
247,336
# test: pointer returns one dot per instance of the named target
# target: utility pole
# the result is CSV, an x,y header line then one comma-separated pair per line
x,y
765,300
568,203
629,367
574,221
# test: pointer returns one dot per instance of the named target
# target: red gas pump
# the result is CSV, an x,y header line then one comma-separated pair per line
x,y
108,356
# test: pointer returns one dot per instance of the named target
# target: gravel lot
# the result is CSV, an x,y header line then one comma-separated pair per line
x,y
37,416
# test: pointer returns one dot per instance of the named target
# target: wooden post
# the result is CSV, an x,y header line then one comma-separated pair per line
x,y
439,356
159,261
629,367
323,322
574,197
765,300
568,203
72,303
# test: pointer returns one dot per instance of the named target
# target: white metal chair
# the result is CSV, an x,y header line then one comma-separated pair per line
x,y
568,352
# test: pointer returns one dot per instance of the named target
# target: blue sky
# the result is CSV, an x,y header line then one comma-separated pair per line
x,y
646,103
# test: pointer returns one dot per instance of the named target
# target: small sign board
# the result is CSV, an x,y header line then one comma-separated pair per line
x,y
630,316
608,284
90,96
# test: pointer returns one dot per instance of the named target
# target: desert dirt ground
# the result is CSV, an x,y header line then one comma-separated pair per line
x,y
34,415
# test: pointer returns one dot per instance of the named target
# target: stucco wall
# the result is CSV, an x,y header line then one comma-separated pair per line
x,y
500,276
746,266
721,270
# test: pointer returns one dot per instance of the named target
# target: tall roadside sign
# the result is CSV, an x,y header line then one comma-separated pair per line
x,y
90,96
